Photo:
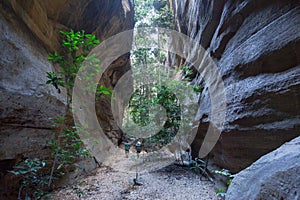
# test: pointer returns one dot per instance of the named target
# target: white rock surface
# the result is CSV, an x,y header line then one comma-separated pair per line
x,y
274,176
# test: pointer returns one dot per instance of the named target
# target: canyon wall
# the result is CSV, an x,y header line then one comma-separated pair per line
x,y
29,30
256,47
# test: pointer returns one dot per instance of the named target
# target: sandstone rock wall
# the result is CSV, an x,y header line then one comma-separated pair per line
x,y
27,102
256,46
45,18
30,29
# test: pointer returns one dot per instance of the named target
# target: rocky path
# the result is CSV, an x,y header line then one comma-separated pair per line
x,y
171,182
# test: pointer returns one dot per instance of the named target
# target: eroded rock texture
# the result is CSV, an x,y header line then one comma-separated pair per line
x,y
30,29
27,102
273,176
256,46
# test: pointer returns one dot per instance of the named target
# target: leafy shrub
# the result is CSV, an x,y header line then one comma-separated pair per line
x,y
33,183
66,147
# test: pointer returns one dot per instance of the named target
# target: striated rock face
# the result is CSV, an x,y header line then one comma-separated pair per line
x,y
30,29
256,46
273,176
45,18
27,102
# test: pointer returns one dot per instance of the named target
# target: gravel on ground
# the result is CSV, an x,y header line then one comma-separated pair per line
x,y
172,182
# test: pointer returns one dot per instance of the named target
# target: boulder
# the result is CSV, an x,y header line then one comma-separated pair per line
x,y
273,176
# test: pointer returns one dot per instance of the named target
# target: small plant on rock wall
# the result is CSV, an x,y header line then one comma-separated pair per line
x,y
66,149
221,192
77,46
67,146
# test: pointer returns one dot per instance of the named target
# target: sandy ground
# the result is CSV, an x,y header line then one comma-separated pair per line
x,y
172,182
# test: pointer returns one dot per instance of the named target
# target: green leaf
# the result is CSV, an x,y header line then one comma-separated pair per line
x,y
50,195
60,166
63,32
106,92
13,172
229,181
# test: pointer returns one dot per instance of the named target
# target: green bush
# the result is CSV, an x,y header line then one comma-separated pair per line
x,y
66,147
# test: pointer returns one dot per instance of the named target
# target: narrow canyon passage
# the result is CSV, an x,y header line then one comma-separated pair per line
x,y
150,99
